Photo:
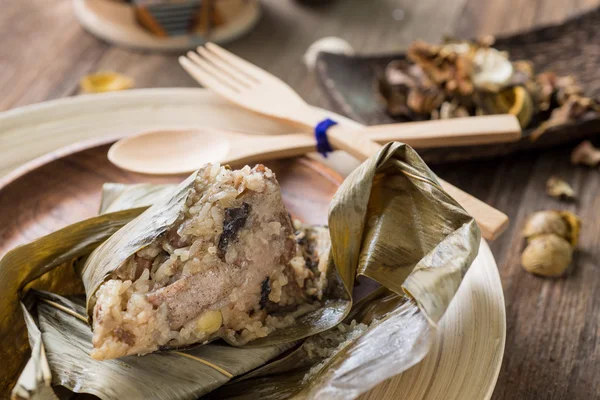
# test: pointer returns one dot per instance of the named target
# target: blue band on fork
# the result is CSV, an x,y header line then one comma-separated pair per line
x,y
323,145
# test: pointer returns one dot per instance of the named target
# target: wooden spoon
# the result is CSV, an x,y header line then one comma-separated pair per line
x,y
182,151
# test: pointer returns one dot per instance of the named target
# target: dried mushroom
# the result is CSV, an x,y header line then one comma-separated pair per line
x,y
448,66
462,78
105,82
573,109
544,89
523,75
492,69
408,92
551,237
560,189
424,100
452,109
586,154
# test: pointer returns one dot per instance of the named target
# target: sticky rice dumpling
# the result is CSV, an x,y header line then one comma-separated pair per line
x,y
231,265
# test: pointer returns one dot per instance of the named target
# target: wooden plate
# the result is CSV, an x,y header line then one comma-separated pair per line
x,y
63,186
115,22
570,48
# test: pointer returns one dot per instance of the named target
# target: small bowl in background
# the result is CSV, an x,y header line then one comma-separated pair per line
x,y
167,25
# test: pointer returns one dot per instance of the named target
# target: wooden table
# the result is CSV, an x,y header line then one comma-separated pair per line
x,y
553,338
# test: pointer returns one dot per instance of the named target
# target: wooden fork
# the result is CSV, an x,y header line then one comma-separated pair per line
x,y
255,89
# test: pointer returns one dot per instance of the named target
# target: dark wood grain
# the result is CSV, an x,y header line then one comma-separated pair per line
x,y
553,339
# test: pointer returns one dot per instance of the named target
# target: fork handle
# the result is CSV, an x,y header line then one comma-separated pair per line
x,y
353,142
492,222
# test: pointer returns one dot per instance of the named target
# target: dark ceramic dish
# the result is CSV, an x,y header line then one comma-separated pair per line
x,y
571,48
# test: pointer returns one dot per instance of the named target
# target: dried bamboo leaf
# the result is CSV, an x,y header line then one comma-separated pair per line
x,y
34,381
120,196
185,374
392,222
373,306
398,337
390,346
28,262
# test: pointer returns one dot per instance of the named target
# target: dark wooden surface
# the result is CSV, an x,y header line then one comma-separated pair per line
x,y
553,338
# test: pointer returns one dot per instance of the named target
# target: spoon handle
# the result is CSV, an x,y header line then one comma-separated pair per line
x,y
261,148
491,222
449,132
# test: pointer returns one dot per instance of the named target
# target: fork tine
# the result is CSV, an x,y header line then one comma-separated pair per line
x,y
226,67
214,71
205,79
249,69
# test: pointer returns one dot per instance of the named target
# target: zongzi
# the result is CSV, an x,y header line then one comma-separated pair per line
x,y
230,265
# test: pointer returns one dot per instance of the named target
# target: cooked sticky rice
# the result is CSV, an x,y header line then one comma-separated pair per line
x,y
231,266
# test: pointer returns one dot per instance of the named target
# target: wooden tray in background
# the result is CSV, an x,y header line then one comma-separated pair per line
x,y
570,48
63,186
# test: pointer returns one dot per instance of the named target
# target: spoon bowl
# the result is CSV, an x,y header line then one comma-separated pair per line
x,y
171,152
176,152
